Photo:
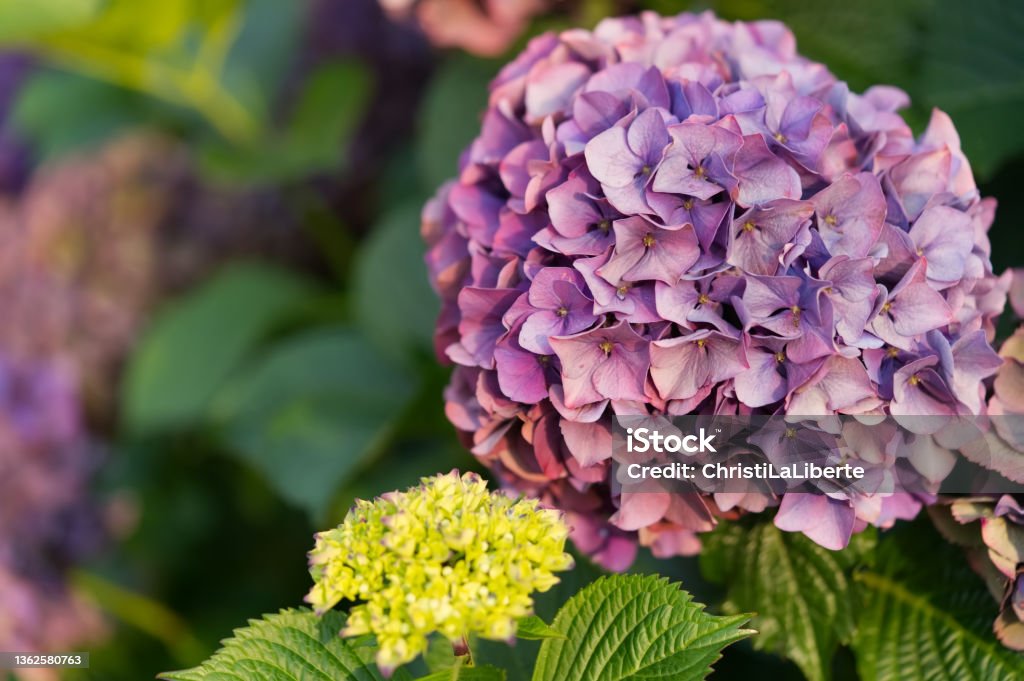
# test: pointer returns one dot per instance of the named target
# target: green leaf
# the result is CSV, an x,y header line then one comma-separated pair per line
x,y
450,116
173,50
293,644
393,302
518,660
312,411
463,673
972,70
533,628
329,108
879,41
20,20
801,591
41,114
195,343
635,627
924,614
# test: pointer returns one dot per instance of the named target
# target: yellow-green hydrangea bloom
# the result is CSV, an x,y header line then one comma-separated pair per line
x,y
447,556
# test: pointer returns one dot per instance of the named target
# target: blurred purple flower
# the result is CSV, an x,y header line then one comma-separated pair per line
x,y
705,222
48,520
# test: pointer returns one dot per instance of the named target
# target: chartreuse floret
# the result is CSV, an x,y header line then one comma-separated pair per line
x,y
447,556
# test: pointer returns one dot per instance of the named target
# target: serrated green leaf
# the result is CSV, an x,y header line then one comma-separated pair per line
x,y
463,673
196,342
924,614
801,591
311,411
533,628
393,302
635,627
517,660
293,644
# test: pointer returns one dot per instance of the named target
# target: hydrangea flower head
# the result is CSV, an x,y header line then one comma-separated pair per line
x,y
679,215
447,556
998,555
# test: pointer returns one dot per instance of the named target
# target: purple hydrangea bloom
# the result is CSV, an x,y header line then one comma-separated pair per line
x,y
47,518
680,215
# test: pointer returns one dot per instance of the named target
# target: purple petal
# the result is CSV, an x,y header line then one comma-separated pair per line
x,y
549,88
763,383
481,324
850,212
944,238
761,236
645,251
680,367
761,175
827,521
603,363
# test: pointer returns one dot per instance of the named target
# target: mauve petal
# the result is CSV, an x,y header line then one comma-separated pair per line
x,y
645,251
595,112
549,88
684,170
640,509
537,330
670,542
571,206
617,554
944,238
764,296
499,135
918,391
520,373
610,362
631,199
543,294
762,383
610,160
850,212
478,208
516,231
481,324
674,302
761,236
919,178
589,443
586,414
680,367
691,98
761,176
941,132
648,137
825,520
513,169
973,361
919,308
842,385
